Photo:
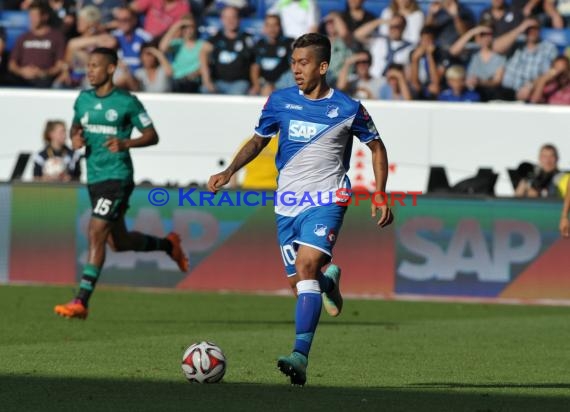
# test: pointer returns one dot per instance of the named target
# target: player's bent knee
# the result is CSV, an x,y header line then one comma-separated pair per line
x,y
307,268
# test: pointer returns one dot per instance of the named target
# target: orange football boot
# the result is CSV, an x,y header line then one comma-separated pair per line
x,y
177,253
73,309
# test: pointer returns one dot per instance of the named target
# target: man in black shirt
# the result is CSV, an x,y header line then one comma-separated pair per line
x,y
272,58
226,58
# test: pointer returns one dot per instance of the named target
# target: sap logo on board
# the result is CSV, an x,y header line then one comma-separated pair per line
x,y
304,131
468,249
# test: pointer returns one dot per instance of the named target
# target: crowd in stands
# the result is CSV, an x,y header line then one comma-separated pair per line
x,y
440,50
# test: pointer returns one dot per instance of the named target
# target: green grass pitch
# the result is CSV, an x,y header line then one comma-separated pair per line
x,y
378,356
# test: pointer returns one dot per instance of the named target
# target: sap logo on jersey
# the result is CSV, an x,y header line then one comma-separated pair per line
x,y
304,131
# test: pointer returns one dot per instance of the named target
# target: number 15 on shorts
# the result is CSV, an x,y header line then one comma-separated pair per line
x,y
103,207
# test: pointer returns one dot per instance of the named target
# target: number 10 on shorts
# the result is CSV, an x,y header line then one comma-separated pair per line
x,y
288,254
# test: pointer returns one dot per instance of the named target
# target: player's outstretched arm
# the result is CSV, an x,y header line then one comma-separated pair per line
x,y
247,153
149,137
380,166
564,223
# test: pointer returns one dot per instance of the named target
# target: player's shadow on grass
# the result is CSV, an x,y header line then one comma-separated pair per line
x,y
256,323
31,393
439,385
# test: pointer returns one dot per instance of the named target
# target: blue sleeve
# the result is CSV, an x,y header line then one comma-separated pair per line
x,y
268,123
363,126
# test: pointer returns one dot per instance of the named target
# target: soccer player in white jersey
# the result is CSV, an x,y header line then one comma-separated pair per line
x,y
316,125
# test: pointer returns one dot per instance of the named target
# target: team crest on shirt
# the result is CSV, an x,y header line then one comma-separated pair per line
x,y
331,237
332,111
320,230
111,115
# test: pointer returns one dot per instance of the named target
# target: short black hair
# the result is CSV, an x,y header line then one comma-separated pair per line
x,y
110,54
42,6
428,29
320,43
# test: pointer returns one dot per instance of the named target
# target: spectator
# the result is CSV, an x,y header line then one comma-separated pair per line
x,y
107,9
92,34
528,8
160,14
336,30
272,57
396,88
385,50
457,90
451,19
129,37
63,17
502,18
155,74
182,41
427,65
57,162
361,85
37,57
541,181
231,55
563,9
3,55
553,87
551,9
528,62
486,68
297,16
355,15
413,15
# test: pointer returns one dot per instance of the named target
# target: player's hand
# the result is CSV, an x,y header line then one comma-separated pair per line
x,y
77,140
564,227
219,180
114,144
386,216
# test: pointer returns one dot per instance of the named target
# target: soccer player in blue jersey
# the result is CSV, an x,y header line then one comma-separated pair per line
x,y
316,125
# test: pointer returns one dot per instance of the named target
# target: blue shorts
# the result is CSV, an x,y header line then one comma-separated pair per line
x,y
317,227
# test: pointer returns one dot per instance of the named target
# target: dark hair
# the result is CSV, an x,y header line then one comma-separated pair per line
x,y
428,29
395,66
402,18
367,53
109,54
550,146
42,6
274,16
320,43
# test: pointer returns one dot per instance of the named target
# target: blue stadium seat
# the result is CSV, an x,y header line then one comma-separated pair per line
x,y
326,6
15,23
560,37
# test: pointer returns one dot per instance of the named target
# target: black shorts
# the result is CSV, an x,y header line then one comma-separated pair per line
x,y
110,198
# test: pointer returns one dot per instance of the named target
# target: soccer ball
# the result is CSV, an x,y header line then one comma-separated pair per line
x,y
204,362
